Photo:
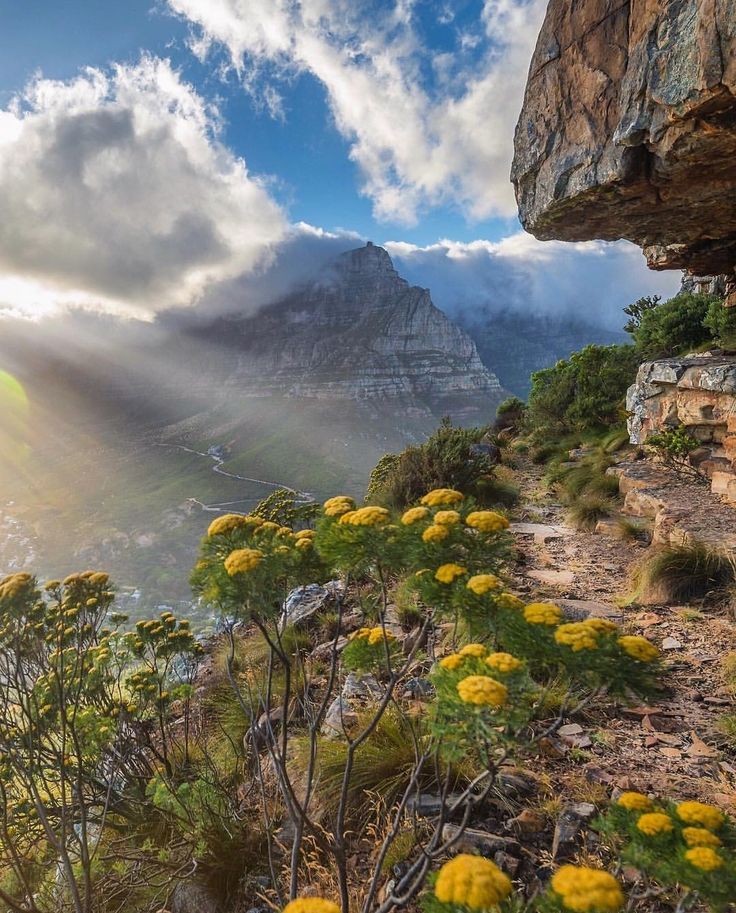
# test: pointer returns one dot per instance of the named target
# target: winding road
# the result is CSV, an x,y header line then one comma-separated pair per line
x,y
301,497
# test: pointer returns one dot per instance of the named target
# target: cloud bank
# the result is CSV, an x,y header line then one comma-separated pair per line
x,y
591,281
115,192
425,128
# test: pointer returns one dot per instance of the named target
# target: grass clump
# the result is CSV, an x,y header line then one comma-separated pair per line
x,y
586,511
682,573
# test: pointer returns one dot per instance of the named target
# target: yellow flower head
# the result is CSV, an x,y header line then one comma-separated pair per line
x,y
655,823
304,544
698,813
699,836
510,602
634,802
585,890
577,635
472,882
435,533
16,585
704,858
451,662
639,648
366,516
481,584
447,517
414,515
483,691
476,650
336,507
228,523
243,560
601,625
311,905
377,636
268,526
542,613
503,662
305,534
439,497
487,521
448,573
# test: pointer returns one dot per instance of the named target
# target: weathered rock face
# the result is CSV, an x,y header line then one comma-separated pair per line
x,y
628,129
698,392
361,332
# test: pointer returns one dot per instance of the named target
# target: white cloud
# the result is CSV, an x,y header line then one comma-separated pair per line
x,y
415,146
591,281
115,192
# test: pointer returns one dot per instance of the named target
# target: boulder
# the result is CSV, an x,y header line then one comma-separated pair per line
x,y
627,129
305,601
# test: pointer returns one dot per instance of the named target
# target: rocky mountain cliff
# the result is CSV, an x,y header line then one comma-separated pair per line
x,y
360,332
628,129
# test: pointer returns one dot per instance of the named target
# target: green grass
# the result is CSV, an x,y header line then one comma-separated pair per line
x,y
586,511
679,574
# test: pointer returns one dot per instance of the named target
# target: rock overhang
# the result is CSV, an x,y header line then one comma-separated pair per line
x,y
628,129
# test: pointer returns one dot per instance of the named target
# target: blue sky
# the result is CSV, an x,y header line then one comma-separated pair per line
x,y
304,155
166,153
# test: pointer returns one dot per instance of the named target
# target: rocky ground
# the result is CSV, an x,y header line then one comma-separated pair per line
x,y
674,745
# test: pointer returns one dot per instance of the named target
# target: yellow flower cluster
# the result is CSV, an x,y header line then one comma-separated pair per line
x,y
448,573
707,816
577,635
243,560
503,662
510,602
414,515
487,521
435,533
311,905
639,648
655,823
481,584
451,662
366,516
440,497
447,517
634,802
336,507
586,890
15,585
228,523
542,613
372,635
704,858
483,691
699,836
476,650
304,539
472,882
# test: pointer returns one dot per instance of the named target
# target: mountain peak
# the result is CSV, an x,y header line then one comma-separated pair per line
x,y
368,261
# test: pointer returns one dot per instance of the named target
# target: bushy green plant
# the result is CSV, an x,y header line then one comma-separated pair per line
x,y
673,446
676,326
510,414
583,393
462,458
720,321
287,508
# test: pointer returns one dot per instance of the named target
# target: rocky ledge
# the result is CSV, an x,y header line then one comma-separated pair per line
x,y
699,392
628,129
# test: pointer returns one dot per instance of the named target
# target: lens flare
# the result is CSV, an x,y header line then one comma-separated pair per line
x,y
14,423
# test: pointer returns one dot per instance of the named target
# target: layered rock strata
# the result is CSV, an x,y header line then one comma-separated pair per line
x,y
360,332
628,129
699,393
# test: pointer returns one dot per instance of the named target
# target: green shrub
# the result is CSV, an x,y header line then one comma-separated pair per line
x,y
510,414
584,512
720,321
461,458
581,394
675,326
